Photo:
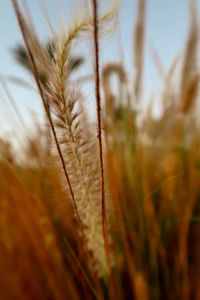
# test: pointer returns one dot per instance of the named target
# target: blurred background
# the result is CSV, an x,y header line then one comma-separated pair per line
x,y
166,30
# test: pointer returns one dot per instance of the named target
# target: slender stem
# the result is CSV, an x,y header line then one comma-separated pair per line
x,y
98,103
35,73
36,76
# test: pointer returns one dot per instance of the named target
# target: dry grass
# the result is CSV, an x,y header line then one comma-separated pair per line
x,y
112,214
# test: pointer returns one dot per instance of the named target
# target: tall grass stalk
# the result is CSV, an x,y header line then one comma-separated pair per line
x,y
99,134
36,76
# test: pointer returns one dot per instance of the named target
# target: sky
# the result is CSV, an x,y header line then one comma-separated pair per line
x,y
166,29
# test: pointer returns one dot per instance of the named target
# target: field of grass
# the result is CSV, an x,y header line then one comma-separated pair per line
x,y
109,210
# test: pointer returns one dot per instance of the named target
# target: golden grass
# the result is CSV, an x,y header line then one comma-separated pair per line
x,y
123,222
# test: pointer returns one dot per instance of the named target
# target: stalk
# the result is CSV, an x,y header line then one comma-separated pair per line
x,y
99,135
47,111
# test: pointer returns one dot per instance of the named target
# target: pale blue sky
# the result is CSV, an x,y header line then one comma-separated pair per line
x,y
167,27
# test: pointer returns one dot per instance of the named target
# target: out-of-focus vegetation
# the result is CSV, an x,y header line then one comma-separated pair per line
x,y
55,240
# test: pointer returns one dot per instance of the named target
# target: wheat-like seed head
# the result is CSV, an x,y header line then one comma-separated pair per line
x,y
78,142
